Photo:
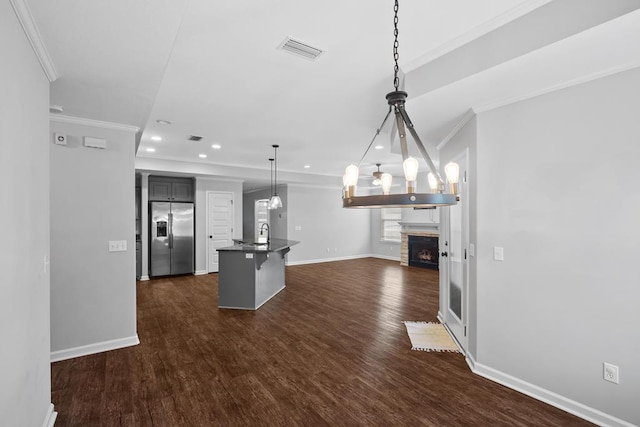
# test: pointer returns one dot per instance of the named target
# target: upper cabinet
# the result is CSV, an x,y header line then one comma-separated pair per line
x,y
172,189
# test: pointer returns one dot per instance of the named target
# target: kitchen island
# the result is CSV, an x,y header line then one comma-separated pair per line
x,y
250,274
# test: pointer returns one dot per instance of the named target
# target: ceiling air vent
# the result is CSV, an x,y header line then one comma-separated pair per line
x,y
195,138
299,48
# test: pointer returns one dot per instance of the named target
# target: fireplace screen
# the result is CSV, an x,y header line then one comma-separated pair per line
x,y
423,252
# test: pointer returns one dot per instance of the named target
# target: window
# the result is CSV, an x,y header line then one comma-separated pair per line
x,y
389,227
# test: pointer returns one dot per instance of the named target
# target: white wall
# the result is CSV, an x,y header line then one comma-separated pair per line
x,y
213,184
93,294
25,378
328,231
558,188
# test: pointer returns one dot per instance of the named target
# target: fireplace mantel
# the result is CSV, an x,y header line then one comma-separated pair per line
x,y
408,227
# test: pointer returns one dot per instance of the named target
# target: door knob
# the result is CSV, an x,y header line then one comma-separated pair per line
x,y
211,237
444,254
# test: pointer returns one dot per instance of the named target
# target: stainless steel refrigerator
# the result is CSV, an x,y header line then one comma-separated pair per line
x,y
171,249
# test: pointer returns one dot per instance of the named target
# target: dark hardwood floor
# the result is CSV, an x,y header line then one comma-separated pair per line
x,y
328,350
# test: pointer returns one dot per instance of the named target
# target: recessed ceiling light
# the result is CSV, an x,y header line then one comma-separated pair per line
x,y
202,156
151,150
216,146
307,166
379,147
156,138
163,122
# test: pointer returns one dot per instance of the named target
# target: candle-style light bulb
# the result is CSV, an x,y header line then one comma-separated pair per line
x,y
410,166
433,182
452,170
351,179
386,179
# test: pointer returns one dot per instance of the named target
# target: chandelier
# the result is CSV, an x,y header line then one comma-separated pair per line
x,y
437,196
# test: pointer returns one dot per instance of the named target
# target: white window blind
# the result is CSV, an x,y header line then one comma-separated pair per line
x,y
390,229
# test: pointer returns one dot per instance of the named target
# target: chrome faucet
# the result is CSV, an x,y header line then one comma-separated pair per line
x,y
262,227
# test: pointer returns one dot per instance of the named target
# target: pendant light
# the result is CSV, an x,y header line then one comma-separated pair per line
x,y
270,182
411,198
275,202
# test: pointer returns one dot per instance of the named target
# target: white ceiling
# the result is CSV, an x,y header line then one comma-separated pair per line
x,y
213,69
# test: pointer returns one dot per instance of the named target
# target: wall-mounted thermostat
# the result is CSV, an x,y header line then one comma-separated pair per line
x,y
60,138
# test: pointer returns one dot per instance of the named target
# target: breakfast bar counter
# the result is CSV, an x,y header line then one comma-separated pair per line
x,y
250,274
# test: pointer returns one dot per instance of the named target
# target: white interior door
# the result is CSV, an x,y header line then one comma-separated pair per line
x,y
453,250
220,213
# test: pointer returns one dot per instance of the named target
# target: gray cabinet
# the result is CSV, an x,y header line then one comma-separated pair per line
x,y
170,189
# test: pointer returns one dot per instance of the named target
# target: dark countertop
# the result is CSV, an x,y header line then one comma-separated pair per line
x,y
273,246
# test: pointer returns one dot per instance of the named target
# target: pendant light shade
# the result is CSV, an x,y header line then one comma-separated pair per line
x,y
275,202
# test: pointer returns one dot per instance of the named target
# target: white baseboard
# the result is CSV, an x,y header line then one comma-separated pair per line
x,y
200,272
344,258
50,417
144,278
318,261
100,347
387,257
571,406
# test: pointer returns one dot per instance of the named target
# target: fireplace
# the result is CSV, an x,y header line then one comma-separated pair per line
x,y
423,251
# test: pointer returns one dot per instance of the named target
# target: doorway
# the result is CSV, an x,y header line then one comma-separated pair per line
x,y
454,275
220,214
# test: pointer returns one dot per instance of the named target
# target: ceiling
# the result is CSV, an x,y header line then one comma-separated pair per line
x,y
213,69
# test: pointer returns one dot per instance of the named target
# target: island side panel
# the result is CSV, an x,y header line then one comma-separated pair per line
x,y
270,278
236,280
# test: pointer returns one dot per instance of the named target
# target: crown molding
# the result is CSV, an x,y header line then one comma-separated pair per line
x,y
94,123
574,82
217,179
475,33
21,8
463,121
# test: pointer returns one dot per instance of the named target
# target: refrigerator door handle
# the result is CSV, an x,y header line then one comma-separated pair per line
x,y
170,230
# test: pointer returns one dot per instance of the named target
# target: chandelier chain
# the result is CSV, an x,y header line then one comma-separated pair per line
x,y
396,56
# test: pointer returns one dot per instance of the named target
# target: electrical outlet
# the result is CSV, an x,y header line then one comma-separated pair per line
x,y
611,373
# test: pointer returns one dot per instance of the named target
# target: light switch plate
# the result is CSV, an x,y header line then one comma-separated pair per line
x,y
498,253
117,245
472,249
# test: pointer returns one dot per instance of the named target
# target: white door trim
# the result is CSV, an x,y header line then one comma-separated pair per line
x,y
208,225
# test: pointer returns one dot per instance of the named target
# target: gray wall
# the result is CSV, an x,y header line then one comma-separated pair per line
x,y
277,218
558,188
327,230
93,294
25,379
213,184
